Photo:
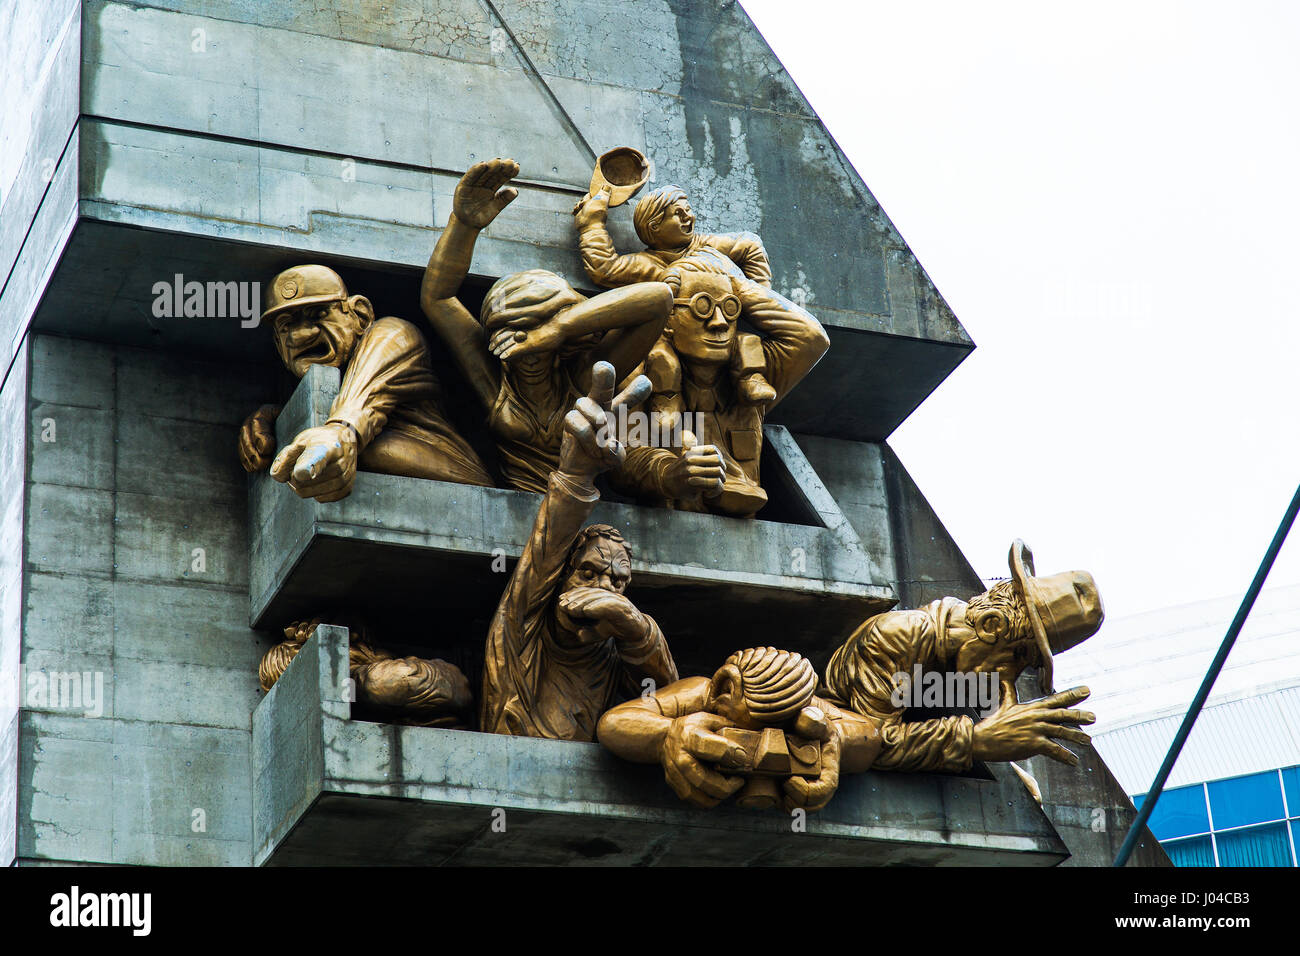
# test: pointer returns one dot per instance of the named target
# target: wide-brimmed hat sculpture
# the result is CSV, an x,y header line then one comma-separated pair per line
x,y
1064,609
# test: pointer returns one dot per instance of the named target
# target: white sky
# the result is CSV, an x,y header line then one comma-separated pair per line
x,y
1107,195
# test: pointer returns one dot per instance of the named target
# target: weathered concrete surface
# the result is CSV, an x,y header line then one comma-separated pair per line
x,y
13,471
331,790
337,133
131,468
706,579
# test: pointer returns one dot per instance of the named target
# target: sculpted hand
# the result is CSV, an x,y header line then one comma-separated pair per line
x,y
814,794
692,740
590,445
1016,731
699,470
512,343
257,438
477,200
320,463
596,614
592,210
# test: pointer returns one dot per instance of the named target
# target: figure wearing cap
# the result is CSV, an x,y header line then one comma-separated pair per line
x,y
387,417
1016,624
756,731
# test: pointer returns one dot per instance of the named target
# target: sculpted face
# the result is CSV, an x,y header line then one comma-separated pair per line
x,y
676,227
703,324
318,334
602,564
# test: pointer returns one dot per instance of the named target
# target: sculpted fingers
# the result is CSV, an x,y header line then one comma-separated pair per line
x,y
602,384
282,467
1063,733
636,393
1069,716
1066,698
685,791
714,785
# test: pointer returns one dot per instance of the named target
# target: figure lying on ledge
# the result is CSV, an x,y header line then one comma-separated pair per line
x,y
565,643
755,730
387,417
1014,625
395,690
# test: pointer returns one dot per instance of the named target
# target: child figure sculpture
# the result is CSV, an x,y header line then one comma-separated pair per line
x,y
665,222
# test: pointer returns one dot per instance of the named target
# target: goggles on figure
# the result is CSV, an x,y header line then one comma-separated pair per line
x,y
702,304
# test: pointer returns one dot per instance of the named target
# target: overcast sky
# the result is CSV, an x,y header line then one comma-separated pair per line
x,y
1108,196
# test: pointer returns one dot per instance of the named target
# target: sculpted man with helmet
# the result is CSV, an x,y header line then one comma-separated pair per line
x,y
388,415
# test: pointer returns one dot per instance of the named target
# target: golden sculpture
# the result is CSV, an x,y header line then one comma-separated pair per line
x,y
529,356
755,731
1015,624
565,642
399,690
622,171
716,279
387,417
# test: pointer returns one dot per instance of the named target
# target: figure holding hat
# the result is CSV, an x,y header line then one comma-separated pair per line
x,y
665,222
1016,624
528,357
388,415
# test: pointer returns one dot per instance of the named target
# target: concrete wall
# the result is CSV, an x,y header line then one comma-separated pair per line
x,y
13,471
140,472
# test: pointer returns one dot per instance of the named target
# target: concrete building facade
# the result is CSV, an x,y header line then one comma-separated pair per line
x,y
142,575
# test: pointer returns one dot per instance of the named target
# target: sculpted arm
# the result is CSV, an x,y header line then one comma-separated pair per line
x,y
476,204
746,250
602,261
793,340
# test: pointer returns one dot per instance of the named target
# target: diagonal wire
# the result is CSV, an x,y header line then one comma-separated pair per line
x,y
555,100
1247,602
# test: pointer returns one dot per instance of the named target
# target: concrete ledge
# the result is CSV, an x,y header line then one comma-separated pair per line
x,y
441,549
328,790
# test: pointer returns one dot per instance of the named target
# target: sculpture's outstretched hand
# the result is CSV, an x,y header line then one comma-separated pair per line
x,y
479,196
320,462
590,445
1016,731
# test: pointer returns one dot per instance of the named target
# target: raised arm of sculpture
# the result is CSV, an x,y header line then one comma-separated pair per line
x,y
478,199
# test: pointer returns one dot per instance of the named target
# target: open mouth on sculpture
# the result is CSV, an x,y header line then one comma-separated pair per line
x,y
315,354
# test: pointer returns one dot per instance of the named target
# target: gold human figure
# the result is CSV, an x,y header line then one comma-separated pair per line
x,y
565,642
401,690
528,357
755,731
387,417
1015,624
